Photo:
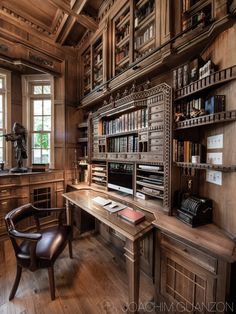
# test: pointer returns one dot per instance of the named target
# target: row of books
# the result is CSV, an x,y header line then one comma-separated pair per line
x,y
211,105
121,34
184,150
187,4
197,19
192,71
127,122
146,36
121,54
123,144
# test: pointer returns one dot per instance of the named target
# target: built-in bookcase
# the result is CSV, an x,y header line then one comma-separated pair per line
x,y
144,28
121,44
86,64
137,130
97,49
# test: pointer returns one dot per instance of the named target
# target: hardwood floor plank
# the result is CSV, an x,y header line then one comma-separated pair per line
x,y
93,282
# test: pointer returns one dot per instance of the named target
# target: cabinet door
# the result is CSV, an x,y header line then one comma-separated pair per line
x,y
42,195
5,206
184,285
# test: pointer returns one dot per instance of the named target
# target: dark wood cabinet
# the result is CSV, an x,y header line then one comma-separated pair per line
x,y
40,189
190,278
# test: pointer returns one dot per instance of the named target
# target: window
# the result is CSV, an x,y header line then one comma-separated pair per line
x,y
5,114
38,115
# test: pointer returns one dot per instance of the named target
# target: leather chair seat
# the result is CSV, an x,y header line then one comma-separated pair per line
x,y
49,247
35,250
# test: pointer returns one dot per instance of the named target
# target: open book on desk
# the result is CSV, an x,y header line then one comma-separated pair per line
x,y
108,204
114,207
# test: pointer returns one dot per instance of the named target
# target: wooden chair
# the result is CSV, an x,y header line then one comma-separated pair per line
x,y
40,249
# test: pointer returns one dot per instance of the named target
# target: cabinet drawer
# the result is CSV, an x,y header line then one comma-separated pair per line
x,y
111,155
41,178
156,108
156,141
156,134
202,259
132,156
157,149
121,156
99,155
157,116
151,157
156,124
4,192
143,137
5,207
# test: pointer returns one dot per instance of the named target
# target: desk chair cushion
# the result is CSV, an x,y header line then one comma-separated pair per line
x,y
49,247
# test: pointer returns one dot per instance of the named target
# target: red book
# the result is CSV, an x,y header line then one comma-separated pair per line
x,y
131,215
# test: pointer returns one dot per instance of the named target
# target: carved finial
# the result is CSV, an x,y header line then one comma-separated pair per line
x,y
133,88
111,99
118,95
125,93
147,84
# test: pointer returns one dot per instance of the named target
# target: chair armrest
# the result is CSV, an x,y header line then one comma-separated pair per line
x,y
25,236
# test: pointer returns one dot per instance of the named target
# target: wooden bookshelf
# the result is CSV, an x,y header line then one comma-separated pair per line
x,y
219,117
144,28
86,64
97,74
121,46
99,174
139,136
203,166
216,78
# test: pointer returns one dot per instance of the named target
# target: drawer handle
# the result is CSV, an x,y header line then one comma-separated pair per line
x,y
3,203
3,191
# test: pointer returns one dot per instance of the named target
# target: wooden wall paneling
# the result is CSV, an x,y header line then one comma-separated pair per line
x,y
59,122
16,105
221,52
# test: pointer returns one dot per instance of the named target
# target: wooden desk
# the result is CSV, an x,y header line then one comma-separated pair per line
x,y
133,234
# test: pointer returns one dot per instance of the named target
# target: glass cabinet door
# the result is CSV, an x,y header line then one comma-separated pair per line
x,y
144,27
121,42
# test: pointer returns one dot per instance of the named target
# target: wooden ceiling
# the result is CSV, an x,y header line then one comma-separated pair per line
x,y
61,21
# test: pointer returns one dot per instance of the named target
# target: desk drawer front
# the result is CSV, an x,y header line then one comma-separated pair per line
x,y
5,192
202,259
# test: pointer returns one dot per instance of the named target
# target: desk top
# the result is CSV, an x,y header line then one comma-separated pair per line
x,y
84,199
208,238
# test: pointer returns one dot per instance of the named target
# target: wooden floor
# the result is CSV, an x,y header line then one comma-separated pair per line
x,y
94,281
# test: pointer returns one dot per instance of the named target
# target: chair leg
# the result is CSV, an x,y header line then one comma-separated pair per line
x,y
70,248
16,283
51,282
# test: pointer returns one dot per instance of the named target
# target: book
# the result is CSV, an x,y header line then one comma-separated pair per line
x,y
131,215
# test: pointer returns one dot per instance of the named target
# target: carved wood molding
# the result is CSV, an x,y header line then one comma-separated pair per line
x,y
29,22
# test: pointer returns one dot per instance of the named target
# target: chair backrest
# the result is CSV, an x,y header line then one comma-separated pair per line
x,y
18,214
12,219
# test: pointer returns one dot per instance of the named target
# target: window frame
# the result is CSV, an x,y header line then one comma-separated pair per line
x,y
6,92
28,81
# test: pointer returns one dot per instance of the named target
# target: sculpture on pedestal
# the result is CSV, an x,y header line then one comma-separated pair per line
x,y
19,139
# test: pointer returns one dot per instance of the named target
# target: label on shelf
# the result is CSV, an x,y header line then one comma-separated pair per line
x,y
214,177
215,158
215,141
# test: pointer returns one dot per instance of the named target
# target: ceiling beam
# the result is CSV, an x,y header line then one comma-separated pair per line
x,y
77,8
84,20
